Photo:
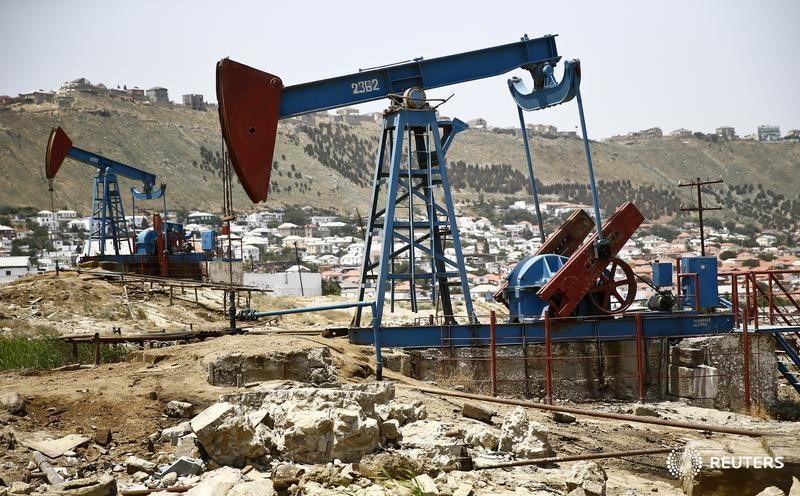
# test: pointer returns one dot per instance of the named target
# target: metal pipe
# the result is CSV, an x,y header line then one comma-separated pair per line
x,y
769,300
639,357
597,220
746,364
376,337
43,464
548,369
337,306
755,302
746,295
735,298
575,458
696,278
531,174
96,349
493,351
699,426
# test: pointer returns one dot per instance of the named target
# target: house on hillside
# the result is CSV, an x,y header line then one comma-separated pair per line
x,y
769,133
137,93
726,133
12,268
158,95
194,101
38,96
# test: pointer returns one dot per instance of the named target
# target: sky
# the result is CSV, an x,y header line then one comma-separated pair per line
x,y
672,64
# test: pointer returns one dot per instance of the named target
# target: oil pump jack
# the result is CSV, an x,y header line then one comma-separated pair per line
x,y
574,273
412,206
162,249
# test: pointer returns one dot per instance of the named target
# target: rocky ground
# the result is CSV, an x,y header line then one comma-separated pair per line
x,y
308,417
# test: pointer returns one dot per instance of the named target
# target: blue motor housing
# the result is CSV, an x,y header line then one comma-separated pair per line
x,y
146,242
706,270
530,274
209,240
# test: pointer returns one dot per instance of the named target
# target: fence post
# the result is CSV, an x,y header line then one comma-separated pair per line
x,y
639,355
96,349
493,362
769,299
735,298
755,302
746,363
548,380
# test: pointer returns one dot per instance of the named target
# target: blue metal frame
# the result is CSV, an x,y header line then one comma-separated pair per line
x,y
403,184
374,84
108,216
106,166
654,325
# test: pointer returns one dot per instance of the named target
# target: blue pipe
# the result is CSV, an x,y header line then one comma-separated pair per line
x,y
597,220
531,174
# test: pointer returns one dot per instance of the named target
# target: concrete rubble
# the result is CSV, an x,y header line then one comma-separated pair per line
x,y
523,437
12,403
319,436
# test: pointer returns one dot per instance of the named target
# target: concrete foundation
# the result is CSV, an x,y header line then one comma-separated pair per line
x,y
741,465
704,371
313,365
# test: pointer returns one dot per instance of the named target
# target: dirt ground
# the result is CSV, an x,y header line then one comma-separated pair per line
x,y
128,398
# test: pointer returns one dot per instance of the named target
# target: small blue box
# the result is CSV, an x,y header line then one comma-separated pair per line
x,y
706,270
662,274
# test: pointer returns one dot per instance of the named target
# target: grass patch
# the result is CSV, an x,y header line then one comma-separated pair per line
x,y
20,352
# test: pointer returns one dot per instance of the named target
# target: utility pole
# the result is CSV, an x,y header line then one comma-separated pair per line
x,y
299,269
700,208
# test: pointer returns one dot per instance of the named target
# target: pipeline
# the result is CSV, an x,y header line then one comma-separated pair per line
x,y
593,413
574,458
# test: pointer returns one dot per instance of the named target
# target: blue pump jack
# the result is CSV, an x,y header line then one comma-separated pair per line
x,y
412,211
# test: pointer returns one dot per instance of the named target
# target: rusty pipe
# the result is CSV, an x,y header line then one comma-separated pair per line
x,y
593,413
574,458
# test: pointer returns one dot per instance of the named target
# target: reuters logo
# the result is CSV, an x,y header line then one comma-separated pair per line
x,y
684,463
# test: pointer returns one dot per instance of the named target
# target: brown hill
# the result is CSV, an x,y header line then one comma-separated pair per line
x,y
319,162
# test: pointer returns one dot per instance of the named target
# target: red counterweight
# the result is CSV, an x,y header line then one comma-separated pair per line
x,y
582,271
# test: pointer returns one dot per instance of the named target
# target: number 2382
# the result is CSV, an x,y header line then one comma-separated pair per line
x,y
366,86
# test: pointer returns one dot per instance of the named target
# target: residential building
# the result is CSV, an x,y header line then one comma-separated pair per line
x,y
39,96
769,133
158,95
137,94
542,130
726,133
195,101
203,218
12,268
479,123
681,133
791,135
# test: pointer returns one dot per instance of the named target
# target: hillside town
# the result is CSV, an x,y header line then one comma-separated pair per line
x,y
298,251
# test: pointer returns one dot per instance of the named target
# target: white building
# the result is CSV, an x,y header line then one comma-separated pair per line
x,y
289,283
12,268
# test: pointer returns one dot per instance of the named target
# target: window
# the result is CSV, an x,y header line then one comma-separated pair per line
x,y
8,272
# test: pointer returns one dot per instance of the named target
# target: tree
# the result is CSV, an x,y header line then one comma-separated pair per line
x,y
727,254
331,288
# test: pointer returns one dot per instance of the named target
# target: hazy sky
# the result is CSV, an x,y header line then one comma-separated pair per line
x,y
694,64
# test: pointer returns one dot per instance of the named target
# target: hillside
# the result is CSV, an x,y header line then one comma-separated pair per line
x,y
319,162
